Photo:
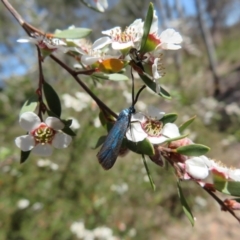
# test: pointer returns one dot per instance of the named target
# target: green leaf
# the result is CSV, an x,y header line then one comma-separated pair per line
x,y
111,77
68,122
148,173
52,99
24,156
73,33
227,187
185,205
193,150
183,126
175,139
169,118
147,25
30,105
142,147
100,141
69,131
117,77
153,86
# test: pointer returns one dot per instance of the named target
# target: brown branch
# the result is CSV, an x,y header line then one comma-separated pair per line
x,y
221,203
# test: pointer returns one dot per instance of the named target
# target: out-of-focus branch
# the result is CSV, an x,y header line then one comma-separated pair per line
x,y
206,35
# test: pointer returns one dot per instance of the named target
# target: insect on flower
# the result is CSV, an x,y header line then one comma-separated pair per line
x,y
108,154
110,149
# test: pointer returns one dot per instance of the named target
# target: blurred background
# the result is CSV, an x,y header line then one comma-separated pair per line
x,y
69,196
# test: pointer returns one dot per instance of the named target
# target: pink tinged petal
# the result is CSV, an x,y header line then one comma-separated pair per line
x,y
170,130
197,168
135,133
54,123
61,140
155,112
44,150
25,143
29,121
101,42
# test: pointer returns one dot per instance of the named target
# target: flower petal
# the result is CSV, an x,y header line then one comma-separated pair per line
x,y
25,142
197,168
89,60
135,133
157,140
101,42
61,140
170,130
153,112
138,117
54,123
169,39
120,46
43,150
29,121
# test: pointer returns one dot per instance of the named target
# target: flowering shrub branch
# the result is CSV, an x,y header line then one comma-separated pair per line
x,y
153,134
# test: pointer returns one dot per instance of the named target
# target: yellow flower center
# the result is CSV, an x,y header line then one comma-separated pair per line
x,y
43,134
152,127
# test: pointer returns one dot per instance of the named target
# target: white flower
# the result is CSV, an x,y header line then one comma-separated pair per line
x,y
23,203
129,38
197,167
219,169
75,124
149,126
41,136
102,232
170,39
37,206
101,5
120,189
78,228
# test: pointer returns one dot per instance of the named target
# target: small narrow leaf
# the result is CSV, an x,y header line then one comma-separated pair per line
x,y
183,126
169,118
52,99
69,131
148,173
111,77
30,105
154,87
176,138
193,150
147,25
185,205
24,156
73,33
